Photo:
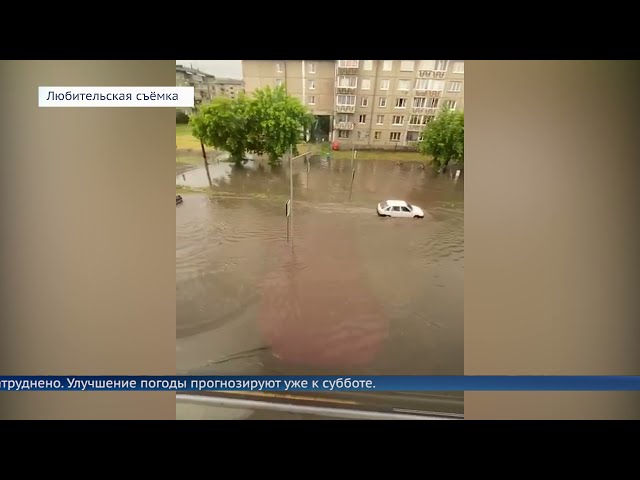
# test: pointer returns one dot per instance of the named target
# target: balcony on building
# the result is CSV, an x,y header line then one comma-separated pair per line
x,y
344,125
424,110
431,74
345,90
348,67
346,84
415,127
428,88
345,108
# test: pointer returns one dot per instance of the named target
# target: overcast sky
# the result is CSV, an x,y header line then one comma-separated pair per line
x,y
219,68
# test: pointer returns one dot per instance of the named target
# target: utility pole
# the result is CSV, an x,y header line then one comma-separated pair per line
x,y
206,164
291,189
353,150
353,176
204,157
289,208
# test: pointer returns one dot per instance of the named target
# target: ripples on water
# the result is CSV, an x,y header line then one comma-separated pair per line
x,y
357,292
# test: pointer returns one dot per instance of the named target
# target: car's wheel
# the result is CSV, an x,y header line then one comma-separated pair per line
x,y
417,216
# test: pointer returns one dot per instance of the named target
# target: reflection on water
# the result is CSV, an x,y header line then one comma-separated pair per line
x,y
354,294
220,171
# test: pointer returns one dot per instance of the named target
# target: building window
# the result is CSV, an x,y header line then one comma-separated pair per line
x,y
458,67
312,84
379,119
364,102
346,100
362,119
362,135
398,120
406,66
382,102
450,104
426,64
347,81
366,84
312,100
422,102
384,84
278,67
343,134
455,86
312,67
418,120
278,82
437,85
348,63
395,136
404,85
401,103
377,135
367,65
421,84
343,117
387,65
441,65
413,136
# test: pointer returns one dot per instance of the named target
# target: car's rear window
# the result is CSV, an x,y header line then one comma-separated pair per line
x,y
383,204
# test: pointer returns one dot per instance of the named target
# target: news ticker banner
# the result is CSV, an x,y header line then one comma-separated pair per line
x,y
176,97
320,383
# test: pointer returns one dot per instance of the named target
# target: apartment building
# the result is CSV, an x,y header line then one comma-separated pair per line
x,y
372,104
203,83
311,81
228,87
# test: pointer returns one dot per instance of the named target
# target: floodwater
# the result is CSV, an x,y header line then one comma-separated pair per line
x,y
351,293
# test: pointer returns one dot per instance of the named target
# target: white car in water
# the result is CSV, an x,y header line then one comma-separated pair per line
x,y
399,208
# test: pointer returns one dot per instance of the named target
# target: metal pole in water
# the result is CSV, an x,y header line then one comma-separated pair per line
x,y
206,164
291,188
286,213
353,176
308,168
353,153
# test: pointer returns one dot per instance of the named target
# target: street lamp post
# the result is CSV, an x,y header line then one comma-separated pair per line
x,y
290,202
204,156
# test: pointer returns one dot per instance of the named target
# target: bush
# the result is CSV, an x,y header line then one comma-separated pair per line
x,y
181,117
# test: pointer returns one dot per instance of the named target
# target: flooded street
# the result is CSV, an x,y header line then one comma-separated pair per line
x,y
352,293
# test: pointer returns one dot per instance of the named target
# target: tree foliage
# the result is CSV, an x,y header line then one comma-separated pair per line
x,y
276,122
270,122
223,124
181,117
443,139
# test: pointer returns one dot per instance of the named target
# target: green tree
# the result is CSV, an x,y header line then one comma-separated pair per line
x,y
443,139
276,121
224,124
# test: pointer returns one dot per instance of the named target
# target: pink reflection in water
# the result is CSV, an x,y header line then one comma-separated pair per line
x,y
316,309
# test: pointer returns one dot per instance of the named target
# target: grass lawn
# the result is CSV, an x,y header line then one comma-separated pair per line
x,y
184,139
366,154
193,160
181,190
